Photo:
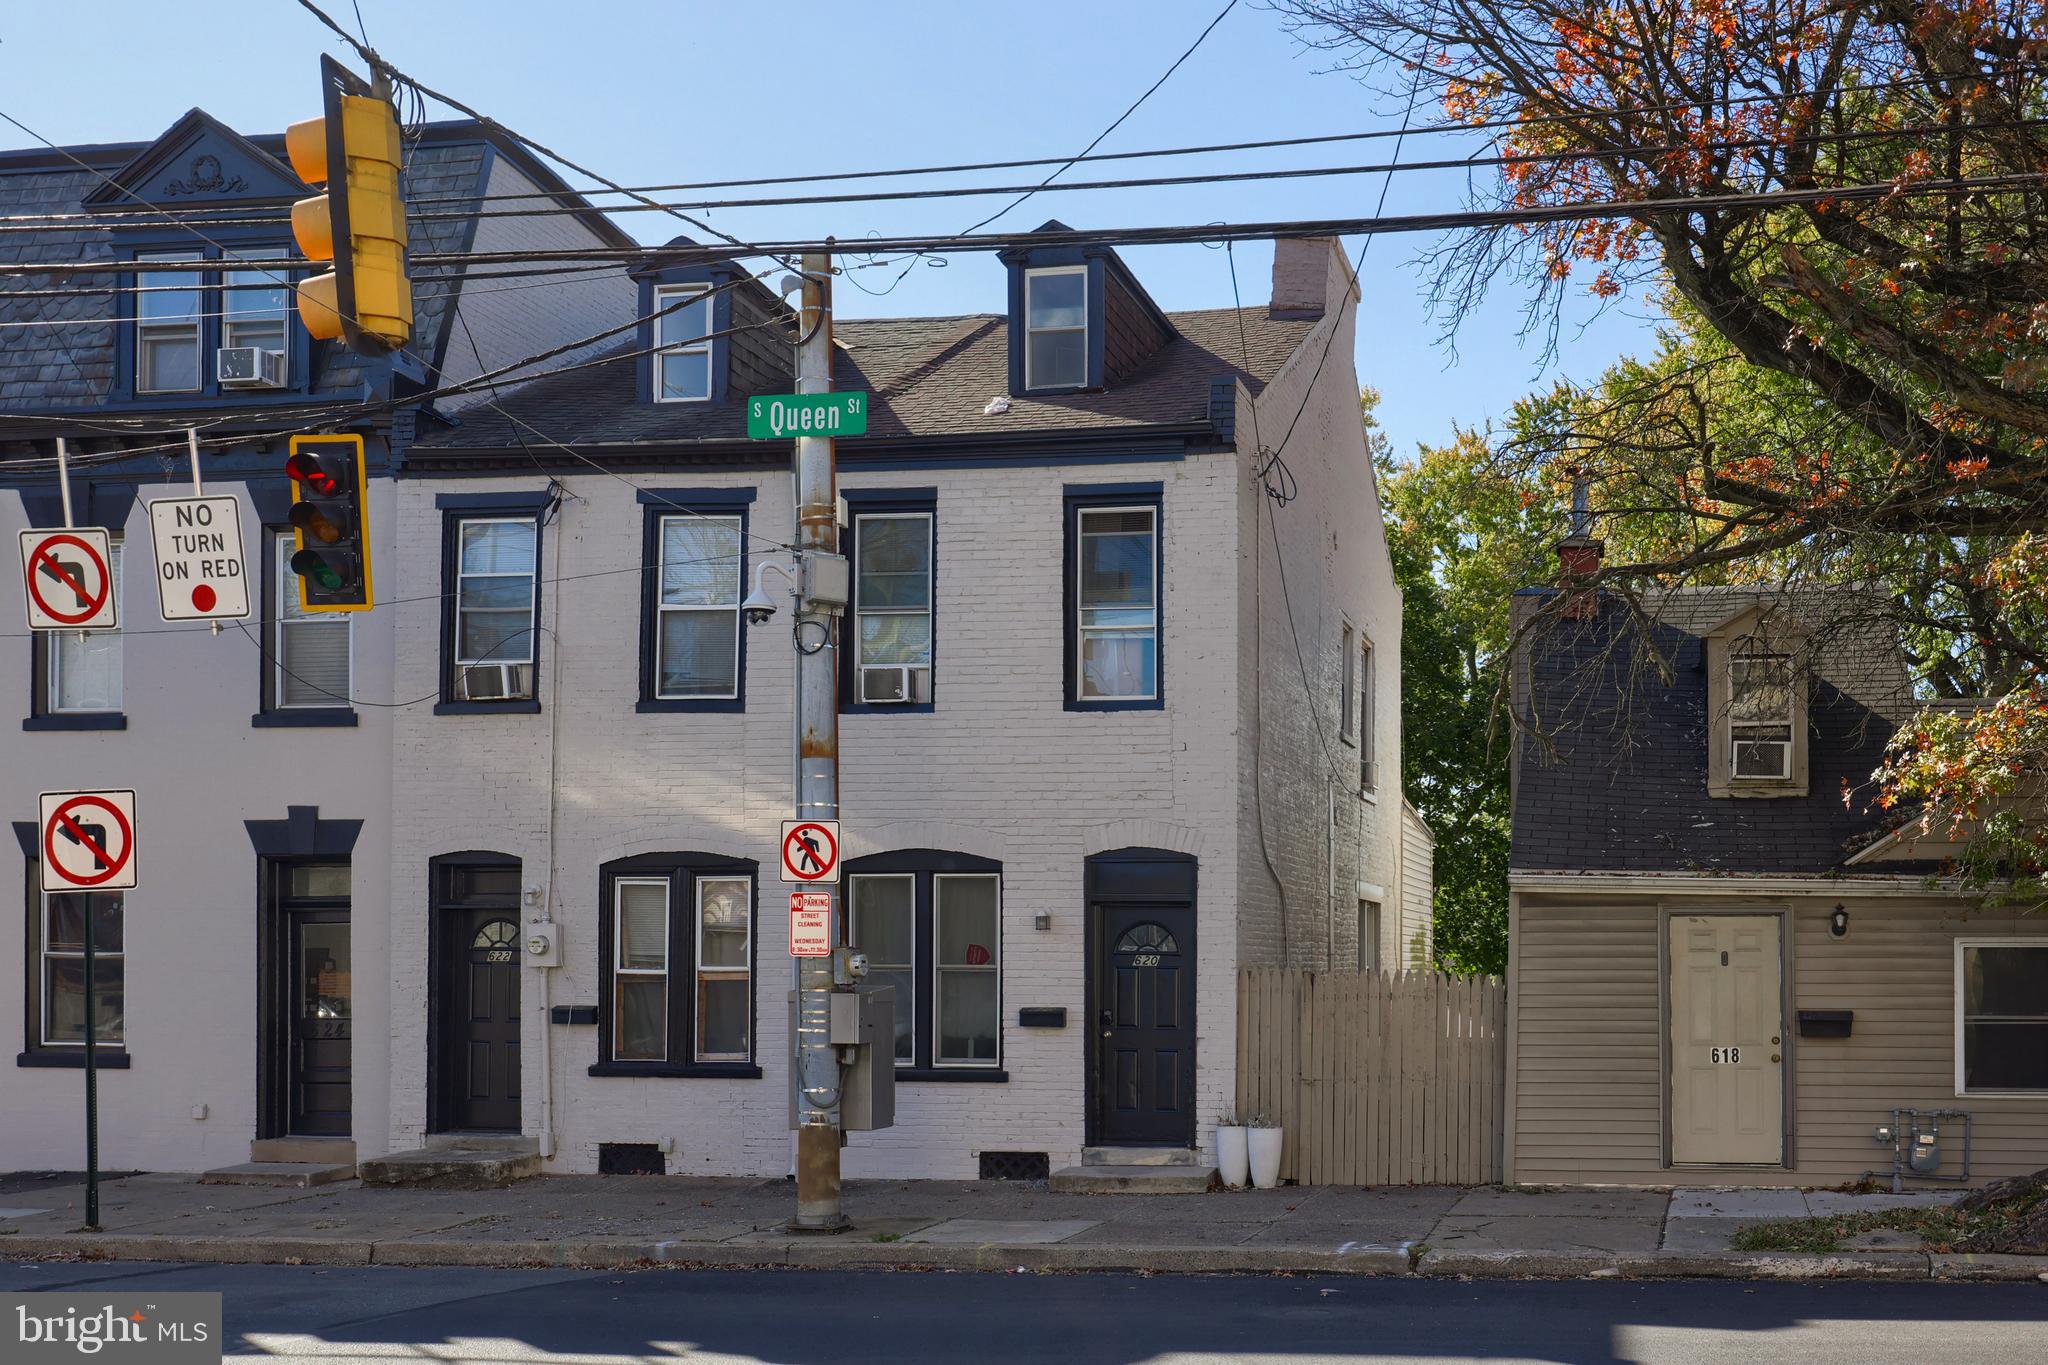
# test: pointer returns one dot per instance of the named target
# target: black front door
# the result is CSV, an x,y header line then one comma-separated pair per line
x,y
322,1016
479,1035
1143,975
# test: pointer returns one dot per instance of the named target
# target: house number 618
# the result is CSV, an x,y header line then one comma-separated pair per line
x,y
1727,1056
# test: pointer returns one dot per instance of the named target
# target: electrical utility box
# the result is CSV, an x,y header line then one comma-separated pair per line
x,y
865,1021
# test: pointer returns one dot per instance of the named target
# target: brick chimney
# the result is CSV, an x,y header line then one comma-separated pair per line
x,y
1578,556
1302,270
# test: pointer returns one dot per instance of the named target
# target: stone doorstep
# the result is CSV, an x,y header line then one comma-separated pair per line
x,y
450,1168
328,1151
1140,1156
1132,1179
298,1175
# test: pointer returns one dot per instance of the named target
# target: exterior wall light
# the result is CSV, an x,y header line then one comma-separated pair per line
x,y
1838,923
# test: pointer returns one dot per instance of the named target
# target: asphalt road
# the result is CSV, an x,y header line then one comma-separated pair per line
x,y
496,1317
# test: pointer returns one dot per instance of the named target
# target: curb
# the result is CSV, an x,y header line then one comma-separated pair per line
x,y
1669,1265
1985,1266
831,1254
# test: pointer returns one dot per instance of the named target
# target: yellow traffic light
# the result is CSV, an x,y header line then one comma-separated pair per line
x,y
359,223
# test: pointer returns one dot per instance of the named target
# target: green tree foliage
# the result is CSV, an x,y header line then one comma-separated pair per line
x,y
1454,764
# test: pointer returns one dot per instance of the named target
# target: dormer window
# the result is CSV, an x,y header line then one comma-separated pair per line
x,y
1056,328
254,305
1760,717
682,367
167,327
1756,708
213,330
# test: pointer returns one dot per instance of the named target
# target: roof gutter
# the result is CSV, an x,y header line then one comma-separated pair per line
x,y
1685,883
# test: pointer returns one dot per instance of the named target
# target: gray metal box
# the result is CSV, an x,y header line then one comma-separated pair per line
x,y
867,1021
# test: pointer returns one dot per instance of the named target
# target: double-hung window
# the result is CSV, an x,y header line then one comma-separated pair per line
x,y
168,326
2001,1016
1114,655
309,651
1368,718
1056,328
931,925
1346,730
678,953
682,330
892,602
254,305
697,607
494,600
60,1005
640,969
1760,716
82,668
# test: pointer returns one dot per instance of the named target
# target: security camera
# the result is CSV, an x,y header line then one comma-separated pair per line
x,y
758,607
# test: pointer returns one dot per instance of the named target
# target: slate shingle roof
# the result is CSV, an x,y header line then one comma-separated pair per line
x,y
1627,789
929,377
73,367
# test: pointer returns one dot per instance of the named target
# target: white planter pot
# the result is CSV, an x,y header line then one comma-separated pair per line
x,y
1232,1158
1264,1146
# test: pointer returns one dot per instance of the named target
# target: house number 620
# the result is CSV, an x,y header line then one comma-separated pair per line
x,y
1727,1056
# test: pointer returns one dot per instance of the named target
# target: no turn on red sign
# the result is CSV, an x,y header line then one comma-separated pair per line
x,y
66,580
88,840
200,572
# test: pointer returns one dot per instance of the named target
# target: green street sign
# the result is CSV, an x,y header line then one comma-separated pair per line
x,y
780,416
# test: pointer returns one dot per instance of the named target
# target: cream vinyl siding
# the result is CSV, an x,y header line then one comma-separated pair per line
x,y
1588,1092
1896,969
1418,884
1587,1097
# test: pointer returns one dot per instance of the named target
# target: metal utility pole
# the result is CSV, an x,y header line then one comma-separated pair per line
x,y
818,1130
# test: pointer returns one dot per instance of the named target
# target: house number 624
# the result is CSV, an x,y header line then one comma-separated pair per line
x,y
1727,1056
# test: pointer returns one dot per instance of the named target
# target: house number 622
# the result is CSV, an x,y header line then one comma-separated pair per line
x,y
1727,1056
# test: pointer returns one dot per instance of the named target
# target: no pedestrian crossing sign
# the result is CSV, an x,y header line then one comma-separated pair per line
x,y
200,567
88,840
66,580
810,850
810,924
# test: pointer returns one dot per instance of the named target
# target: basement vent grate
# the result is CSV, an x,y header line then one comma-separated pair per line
x,y
630,1158
1015,1166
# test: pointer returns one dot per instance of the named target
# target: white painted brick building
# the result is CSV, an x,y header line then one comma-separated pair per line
x,y
1244,774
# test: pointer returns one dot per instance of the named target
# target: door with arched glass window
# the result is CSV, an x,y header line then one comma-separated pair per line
x,y
475,1052
1144,1024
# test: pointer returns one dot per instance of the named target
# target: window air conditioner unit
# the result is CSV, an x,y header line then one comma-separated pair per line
x,y
1764,758
249,367
895,684
487,682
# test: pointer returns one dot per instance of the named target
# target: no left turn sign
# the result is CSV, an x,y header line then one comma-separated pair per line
x,y
810,850
66,581
88,841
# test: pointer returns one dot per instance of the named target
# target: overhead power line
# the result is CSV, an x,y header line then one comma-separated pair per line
x,y
1228,177
1193,232
1478,126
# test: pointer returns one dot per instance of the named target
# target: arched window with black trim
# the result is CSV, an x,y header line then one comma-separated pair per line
x,y
930,923
676,948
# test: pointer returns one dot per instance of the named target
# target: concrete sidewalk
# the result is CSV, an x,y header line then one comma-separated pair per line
x,y
966,1225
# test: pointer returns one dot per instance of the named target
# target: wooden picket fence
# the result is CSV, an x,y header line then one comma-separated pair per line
x,y
1377,1078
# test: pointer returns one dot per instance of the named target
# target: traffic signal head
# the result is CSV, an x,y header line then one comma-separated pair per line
x,y
330,494
353,148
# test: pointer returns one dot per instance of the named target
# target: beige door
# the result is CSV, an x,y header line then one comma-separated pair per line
x,y
1727,1031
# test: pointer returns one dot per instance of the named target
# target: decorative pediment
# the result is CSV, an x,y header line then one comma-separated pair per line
x,y
199,160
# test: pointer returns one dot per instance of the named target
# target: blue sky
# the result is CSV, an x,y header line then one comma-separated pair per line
x,y
664,92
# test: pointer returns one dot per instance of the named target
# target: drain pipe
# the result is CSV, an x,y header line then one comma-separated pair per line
x,y
547,897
